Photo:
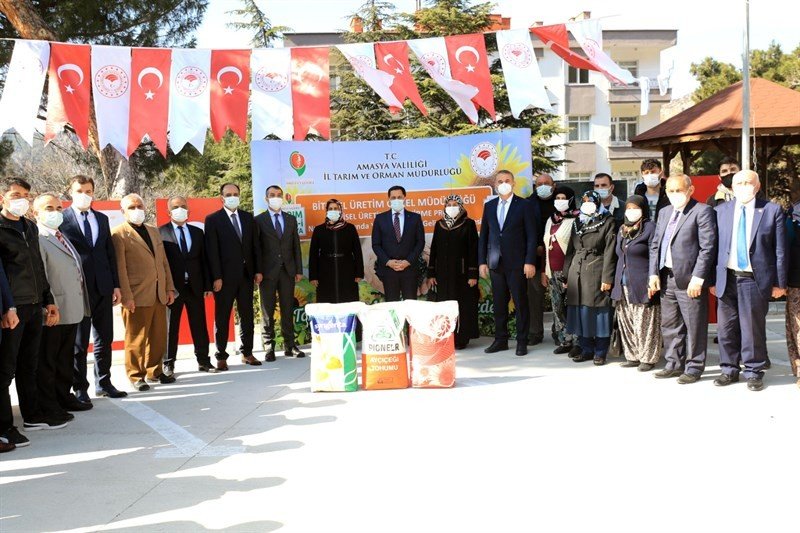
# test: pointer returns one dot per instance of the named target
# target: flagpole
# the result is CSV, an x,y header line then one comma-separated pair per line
x,y
746,90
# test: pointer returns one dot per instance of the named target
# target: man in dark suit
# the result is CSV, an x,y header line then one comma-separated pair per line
x,y
682,256
89,233
185,248
751,268
233,262
541,202
398,238
507,252
278,243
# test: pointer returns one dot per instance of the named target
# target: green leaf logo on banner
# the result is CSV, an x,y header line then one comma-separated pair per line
x,y
298,162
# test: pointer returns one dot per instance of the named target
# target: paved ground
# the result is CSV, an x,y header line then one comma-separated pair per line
x,y
534,443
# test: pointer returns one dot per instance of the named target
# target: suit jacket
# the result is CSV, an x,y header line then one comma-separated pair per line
x,y
277,252
194,263
99,261
385,245
768,255
66,278
229,258
515,243
144,276
694,244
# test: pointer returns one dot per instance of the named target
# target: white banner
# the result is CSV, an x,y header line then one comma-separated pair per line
x,y
589,35
271,96
189,98
22,93
521,70
111,82
362,57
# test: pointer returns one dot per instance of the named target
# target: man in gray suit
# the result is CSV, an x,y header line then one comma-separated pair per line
x,y
682,262
278,244
62,264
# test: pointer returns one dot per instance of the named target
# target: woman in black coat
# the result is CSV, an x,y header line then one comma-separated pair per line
x,y
453,266
335,262
590,263
638,316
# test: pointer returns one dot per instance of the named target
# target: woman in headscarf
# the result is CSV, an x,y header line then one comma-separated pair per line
x,y
453,266
638,316
793,293
557,235
589,263
335,262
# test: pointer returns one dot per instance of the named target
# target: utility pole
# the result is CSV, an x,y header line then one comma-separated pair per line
x,y
746,90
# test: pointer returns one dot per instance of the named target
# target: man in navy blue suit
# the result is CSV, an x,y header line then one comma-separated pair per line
x,y
507,253
751,268
398,238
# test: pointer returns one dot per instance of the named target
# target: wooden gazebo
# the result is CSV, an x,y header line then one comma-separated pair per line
x,y
716,124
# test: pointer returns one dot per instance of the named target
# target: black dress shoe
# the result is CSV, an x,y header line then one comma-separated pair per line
x,y
522,348
83,397
685,379
461,345
533,341
163,379
270,358
294,351
575,352
581,357
725,380
666,374
497,346
110,391
755,384
207,367
563,348
599,361
75,405
767,364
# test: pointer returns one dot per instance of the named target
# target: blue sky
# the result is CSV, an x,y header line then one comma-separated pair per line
x,y
705,27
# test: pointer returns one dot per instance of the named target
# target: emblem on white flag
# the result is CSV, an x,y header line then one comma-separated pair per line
x,y
111,80
190,99
271,97
521,71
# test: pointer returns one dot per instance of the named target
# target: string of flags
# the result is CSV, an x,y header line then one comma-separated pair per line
x,y
173,96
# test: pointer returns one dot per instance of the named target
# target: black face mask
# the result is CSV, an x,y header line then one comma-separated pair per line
x,y
727,180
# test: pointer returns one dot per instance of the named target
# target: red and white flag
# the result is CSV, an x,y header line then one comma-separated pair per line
x,y
271,110
392,57
311,97
111,80
22,93
230,92
362,58
521,71
189,98
589,35
150,75
555,38
469,63
68,91
432,54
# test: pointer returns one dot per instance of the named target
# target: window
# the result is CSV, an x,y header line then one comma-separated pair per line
x,y
578,128
623,129
632,66
576,75
579,175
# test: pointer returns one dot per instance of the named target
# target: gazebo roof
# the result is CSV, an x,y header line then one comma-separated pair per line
x,y
774,111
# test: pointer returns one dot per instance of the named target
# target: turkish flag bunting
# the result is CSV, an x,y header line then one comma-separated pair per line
x,y
230,91
392,57
311,92
470,63
555,38
150,73
68,91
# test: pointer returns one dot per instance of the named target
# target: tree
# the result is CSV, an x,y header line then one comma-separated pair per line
x,y
257,22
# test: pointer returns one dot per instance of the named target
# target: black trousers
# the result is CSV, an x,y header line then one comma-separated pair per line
x,y
283,287
19,356
536,305
196,311
510,283
101,326
54,373
242,294
397,283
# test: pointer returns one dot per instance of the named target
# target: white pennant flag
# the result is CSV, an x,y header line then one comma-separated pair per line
x,y
521,71
189,99
589,35
22,93
111,83
362,57
432,54
271,97
644,93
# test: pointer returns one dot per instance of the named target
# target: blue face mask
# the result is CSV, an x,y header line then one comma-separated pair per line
x,y
603,193
544,191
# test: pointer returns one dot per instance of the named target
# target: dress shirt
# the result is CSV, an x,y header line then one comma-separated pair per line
x,y
402,219
750,209
280,217
92,222
503,212
185,233
238,218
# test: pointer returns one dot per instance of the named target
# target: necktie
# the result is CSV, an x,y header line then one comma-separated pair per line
x,y
60,237
397,234
278,227
87,229
235,222
665,243
182,238
741,241
502,220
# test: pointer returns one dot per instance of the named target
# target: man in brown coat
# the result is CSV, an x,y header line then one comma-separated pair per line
x,y
147,290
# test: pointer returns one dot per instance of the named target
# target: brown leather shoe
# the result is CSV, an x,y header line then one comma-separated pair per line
x,y
250,360
6,447
222,366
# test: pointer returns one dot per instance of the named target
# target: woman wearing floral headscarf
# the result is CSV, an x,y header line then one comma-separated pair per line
x,y
453,266
335,262
590,263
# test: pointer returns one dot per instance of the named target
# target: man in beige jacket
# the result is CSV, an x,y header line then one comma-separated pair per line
x,y
147,290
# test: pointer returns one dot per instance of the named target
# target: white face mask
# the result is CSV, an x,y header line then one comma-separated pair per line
x,y
678,199
504,189
19,206
452,211
51,219
231,202
275,203
136,216
634,215
588,208
651,180
744,192
81,201
179,215
334,216
397,205
603,193
561,205
544,191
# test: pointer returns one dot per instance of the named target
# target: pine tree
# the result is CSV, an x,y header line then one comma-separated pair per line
x,y
256,21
